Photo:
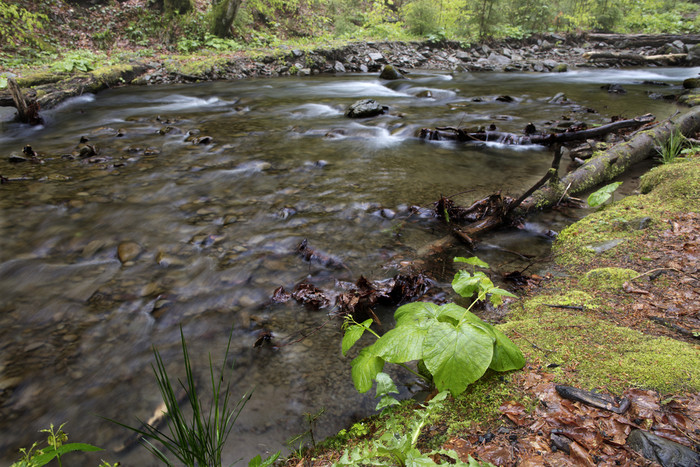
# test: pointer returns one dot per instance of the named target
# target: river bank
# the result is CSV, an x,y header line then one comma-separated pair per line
x,y
544,53
617,313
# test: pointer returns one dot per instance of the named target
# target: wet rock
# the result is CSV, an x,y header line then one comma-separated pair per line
x,y
128,251
17,158
498,59
559,98
694,55
666,452
602,247
614,88
390,73
561,68
365,108
425,94
691,83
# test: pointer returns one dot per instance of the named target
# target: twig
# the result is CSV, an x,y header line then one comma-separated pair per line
x,y
568,307
564,194
664,269
674,327
532,343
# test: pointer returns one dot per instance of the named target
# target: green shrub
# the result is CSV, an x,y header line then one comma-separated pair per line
x,y
20,27
422,17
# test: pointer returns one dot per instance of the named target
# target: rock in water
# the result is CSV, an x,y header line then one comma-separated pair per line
x,y
365,108
389,72
127,251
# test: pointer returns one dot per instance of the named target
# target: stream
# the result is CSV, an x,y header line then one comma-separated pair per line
x,y
209,188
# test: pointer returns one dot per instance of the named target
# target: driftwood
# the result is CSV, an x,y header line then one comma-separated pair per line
x,y
639,58
458,134
27,107
550,190
613,162
53,93
643,40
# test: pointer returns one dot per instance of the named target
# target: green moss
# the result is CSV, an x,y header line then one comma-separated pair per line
x,y
593,353
671,188
608,278
111,74
39,78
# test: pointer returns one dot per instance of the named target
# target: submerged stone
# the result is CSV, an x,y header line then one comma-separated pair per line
x,y
365,108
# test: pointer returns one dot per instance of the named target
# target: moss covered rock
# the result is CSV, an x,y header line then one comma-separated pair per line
x,y
608,278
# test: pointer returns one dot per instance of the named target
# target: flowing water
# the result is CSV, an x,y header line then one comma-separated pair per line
x,y
215,221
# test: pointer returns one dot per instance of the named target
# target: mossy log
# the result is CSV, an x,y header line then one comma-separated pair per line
x,y
606,165
51,94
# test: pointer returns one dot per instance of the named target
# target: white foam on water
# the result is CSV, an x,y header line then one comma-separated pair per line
x,y
315,110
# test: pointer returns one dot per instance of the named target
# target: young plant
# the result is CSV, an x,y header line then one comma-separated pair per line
x,y
55,448
602,195
672,147
199,441
454,346
397,446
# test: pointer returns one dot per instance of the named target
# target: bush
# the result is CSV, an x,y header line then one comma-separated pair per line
x,y
422,17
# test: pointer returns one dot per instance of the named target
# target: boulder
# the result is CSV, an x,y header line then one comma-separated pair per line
x,y
365,108
389,72
691,83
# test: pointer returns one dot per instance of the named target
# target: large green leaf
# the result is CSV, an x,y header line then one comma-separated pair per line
x,y
474,261
353,333
385,385
466,284
602,195
457,357
457,314
506,355
365,368
49,453
402,344
416,312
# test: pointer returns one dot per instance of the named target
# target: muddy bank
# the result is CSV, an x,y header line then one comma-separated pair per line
x,y
547,53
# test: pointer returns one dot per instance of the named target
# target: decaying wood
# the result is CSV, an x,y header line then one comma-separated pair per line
x,y
27,108
550,189
665,58
643,40
458,134
613,162
53,93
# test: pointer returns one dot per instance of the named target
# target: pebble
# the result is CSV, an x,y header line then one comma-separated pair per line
x,y
127,251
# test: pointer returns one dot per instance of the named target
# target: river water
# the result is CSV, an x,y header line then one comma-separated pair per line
x,y
214,223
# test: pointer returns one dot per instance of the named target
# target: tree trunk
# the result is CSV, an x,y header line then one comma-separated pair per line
x,y
642,40
613,162
224,12
27,109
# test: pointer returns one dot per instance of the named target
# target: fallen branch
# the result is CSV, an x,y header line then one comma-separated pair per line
x,y
639,58
609,164
27,107
458,134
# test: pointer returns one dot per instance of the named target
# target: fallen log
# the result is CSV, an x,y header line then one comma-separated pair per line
x,y
458,134
550,190
668,59
27,107
643,40
53,93
607,165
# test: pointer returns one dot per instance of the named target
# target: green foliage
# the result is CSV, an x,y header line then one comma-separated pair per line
x,y
455,346
422,17
80,60
397,446
673,147
602,195
55,448
19,27
201,440
209,41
